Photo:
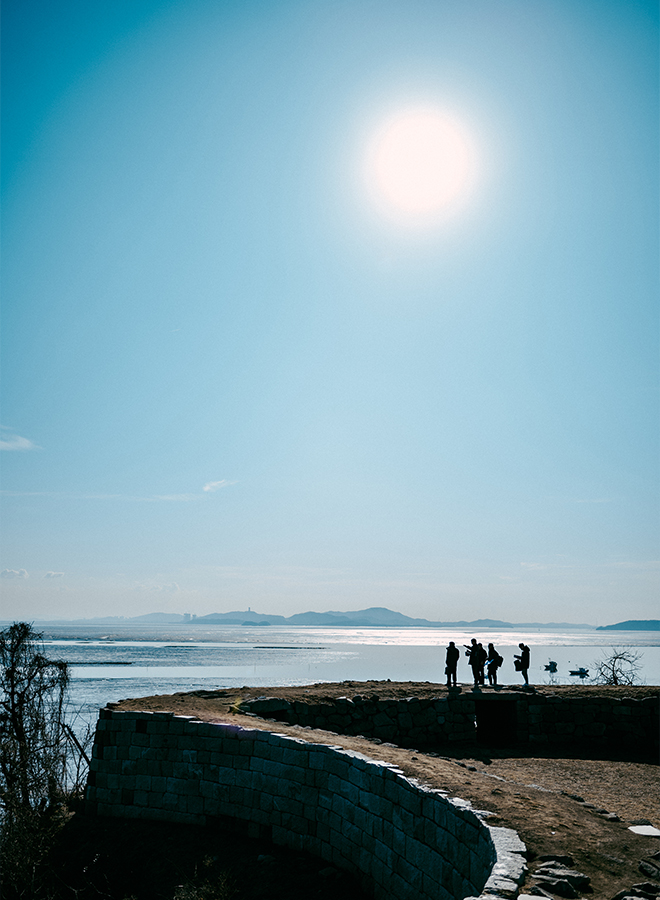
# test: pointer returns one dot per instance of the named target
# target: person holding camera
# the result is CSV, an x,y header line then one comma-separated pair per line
x,y
521,661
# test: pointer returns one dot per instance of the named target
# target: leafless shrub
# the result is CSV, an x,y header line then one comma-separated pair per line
x,y
619,665
42,761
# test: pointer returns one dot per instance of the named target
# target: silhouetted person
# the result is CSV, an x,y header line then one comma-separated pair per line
x,y
474,659
451,660
483,656
493,662
522,661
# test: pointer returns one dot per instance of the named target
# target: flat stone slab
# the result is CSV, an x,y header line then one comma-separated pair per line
x,y
647,830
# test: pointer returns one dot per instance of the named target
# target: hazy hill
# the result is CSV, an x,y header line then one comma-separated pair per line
x,y
159,618
238,618
373,617
633,625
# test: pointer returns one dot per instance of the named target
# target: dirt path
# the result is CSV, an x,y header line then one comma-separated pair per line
x,y
536,796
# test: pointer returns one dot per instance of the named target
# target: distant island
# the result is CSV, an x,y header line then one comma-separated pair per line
x,y
633,625
374,617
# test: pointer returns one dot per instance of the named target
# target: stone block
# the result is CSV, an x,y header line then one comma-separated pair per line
x,y
170,801
158,727
432,886
402,819
350,792
400,888
410,799
334,823
501,886
195,805
364,821
376,805
565,727
409,872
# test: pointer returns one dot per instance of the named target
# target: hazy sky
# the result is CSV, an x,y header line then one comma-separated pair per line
x,y
327,305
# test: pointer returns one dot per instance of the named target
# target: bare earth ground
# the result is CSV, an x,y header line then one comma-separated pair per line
x,y
535,795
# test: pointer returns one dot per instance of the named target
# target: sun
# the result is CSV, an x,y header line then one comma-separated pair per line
x,y
420,166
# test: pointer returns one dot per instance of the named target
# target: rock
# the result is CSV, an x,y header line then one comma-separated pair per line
x,y
559,886
649,867
537,891
612,817
562,860
555,870
640,822
649,887
638,891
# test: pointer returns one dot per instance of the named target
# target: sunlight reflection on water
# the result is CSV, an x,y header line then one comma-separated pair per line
x,y
125,661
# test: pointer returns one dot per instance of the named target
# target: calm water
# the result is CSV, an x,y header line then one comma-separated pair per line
x,y
117,662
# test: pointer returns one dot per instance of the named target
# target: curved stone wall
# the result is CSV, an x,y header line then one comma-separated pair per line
x,y
404,840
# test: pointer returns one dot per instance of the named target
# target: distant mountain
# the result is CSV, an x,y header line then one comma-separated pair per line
x,y
551,625
478,623
633,625
374,617
237,618
160,618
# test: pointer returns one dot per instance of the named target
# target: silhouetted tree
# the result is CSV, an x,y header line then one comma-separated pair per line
x,y
620,666
40,755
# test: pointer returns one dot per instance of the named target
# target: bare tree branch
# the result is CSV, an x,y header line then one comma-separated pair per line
x,y
620,666
41,759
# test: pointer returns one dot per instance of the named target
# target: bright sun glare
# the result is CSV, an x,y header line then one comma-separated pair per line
x,y
420,165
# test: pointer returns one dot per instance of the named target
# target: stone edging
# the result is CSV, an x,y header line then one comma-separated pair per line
x,y
404,840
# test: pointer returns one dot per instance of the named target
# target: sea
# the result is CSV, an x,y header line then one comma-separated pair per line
x,y
111,663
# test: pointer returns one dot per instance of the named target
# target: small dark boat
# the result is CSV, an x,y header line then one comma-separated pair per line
x,y
581,672
551,666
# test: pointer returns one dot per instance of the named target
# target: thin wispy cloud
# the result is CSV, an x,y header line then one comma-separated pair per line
x,y
131,498
11,441
54,575
211,486
14,573
170,587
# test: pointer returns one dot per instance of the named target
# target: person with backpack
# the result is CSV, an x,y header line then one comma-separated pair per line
x,y
494,662
483,657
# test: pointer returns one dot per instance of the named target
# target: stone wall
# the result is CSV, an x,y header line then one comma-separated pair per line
x,y
404,840
501,717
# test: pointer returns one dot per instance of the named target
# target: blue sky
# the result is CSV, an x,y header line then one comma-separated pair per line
x,y
230,380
